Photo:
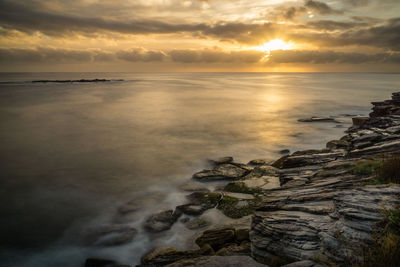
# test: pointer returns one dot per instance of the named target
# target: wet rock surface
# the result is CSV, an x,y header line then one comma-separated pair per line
x,y
161,221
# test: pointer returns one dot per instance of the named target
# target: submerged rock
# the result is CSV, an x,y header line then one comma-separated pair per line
x,y
200,202
110,235
318,119
161,221
222,160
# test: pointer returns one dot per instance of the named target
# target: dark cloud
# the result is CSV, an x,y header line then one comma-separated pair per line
x,y
321,8
331,25
385,36
327,57
25,19
55,24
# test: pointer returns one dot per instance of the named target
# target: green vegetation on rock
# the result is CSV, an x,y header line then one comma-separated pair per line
x,y
366,167
237,208
240,187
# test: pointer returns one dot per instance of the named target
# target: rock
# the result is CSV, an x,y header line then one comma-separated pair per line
x,y
161,221
161,256
318,119
284,151
236,208
222,160
94,262
218,261
198,223
217,238
221,172
359,121
318,221
305,263
242,234
385,147
257,162
296,160
337,144
200,202
243,249
184,220
191,209
110,235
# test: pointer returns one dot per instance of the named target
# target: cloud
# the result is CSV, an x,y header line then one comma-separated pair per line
x,y
385,36
215,56
329,57
140,54
331,25
321,8
52,55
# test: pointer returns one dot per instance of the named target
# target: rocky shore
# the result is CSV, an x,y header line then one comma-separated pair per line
x,y
308,208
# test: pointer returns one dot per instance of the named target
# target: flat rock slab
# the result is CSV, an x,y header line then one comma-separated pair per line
x,y
221,172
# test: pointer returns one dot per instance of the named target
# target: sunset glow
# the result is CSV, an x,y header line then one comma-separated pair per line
x,y
275,44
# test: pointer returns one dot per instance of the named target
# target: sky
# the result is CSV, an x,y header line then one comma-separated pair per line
x,y
200,35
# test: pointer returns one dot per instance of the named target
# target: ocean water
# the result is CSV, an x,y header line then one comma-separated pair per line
x,y
71,154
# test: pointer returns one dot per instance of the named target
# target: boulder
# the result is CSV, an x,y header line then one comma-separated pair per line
x,y
199,202
161,221
217,238
359,121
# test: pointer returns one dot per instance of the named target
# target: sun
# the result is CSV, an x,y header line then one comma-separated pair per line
x,y
276,44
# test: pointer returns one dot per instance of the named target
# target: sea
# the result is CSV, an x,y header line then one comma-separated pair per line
x,y
72,153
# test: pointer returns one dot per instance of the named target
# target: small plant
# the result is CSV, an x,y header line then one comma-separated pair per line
x,y
389,172
384,250
366,168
